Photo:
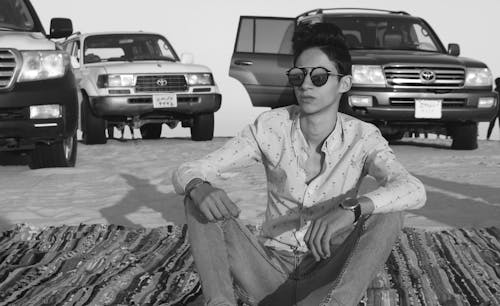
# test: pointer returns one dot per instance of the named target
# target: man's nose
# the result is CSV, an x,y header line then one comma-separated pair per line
x,y
307,81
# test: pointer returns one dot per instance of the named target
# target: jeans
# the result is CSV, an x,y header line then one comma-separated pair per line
x,y
233,263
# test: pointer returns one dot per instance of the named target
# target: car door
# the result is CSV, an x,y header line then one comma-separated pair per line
x,y
262,54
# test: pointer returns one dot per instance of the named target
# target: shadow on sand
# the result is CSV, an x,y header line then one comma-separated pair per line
x,y
461,205
145,195
5,224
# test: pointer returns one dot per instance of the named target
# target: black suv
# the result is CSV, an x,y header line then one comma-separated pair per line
x,y
404,80
38,91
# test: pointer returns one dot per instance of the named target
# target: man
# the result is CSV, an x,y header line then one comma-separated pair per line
x,y
321,242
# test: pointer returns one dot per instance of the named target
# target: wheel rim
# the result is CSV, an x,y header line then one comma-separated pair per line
x,y
68,147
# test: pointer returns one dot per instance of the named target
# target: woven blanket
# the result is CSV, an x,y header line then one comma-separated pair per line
x,y
113,265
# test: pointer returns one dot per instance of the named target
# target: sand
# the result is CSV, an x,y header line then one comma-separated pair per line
x,y
128,183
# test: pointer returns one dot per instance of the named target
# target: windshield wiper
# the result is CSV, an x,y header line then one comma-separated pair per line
x,y
159,58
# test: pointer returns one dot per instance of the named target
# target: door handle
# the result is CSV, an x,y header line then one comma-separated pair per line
x,y
243,63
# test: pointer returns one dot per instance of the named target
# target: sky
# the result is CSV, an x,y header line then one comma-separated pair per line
x,y
207,30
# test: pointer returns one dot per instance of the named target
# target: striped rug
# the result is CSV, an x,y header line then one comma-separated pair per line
x,y
113,265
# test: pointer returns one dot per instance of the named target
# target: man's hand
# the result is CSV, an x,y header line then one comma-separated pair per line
x,y
213,203
324,228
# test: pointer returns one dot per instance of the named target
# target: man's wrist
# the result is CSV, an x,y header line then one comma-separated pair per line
x,y
193,184
366,205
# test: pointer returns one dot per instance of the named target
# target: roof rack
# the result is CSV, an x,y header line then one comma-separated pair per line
x,y
320,11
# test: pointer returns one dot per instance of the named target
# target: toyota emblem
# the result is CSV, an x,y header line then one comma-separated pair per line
x,y
161,82
427,76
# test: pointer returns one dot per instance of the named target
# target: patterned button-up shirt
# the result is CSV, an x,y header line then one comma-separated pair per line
x,y
353,150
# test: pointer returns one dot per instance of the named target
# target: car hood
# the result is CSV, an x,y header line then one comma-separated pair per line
x,y
25,41
391,57
149,67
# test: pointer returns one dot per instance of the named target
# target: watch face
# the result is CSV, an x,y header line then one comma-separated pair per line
x,y
350,203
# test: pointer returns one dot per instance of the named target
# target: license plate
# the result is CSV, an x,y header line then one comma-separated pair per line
x,y
428,108
165,100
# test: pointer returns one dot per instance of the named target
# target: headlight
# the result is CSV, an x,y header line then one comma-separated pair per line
x,y
478,77
48,111
367,75
199,79
115,80
41,65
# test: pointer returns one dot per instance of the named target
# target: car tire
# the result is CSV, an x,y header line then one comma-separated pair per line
x,y
394,136
93,127
57,154
203,127
151,131
464,136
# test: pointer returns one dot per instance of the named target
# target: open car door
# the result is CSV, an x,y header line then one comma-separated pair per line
x,y
262,54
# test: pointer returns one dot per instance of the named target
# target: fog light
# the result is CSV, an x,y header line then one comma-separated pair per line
x,y
45,111
361,101
486,102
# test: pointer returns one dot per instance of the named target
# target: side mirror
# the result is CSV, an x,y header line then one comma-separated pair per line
x,y
187,58
74,62
60,27
454,49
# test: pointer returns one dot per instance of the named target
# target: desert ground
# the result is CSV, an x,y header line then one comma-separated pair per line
x,y
128,182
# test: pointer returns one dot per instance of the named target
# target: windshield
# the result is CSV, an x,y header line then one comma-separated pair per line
x,y
15,15
127,47
387,33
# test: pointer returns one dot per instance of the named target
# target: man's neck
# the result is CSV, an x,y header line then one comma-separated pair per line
x,y
316,127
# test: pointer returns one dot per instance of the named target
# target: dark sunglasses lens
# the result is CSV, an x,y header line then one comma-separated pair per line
x,y
319,76
295,77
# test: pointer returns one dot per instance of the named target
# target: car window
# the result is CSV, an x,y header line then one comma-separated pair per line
x,y
386,33
127,47
15,15
265,35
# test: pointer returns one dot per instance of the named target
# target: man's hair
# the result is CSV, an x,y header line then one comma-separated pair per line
x,y
328,38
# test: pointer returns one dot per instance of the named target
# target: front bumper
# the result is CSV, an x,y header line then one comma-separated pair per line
x,y
400,106
15,123
139,105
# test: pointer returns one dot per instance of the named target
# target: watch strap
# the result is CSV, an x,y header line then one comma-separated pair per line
x,y
357,213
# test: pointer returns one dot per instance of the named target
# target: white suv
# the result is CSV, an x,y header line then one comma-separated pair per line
x,y
137,78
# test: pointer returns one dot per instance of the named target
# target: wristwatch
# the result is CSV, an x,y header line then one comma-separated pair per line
x,y
352,204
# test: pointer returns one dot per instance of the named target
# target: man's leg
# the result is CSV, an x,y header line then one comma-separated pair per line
x,y
343,278
226,250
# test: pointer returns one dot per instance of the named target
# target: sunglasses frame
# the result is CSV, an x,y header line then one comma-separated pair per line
x,y
305,73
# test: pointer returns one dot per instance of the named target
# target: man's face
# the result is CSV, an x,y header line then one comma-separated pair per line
x,y
311,98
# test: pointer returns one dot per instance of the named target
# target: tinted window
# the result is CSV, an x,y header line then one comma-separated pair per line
x,y
127,47
265,35
15,15
386,33
245,37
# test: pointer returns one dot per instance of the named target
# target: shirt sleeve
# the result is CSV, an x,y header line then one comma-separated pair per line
x,y
241,151
398,190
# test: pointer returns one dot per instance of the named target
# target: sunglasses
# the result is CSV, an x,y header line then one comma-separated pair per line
x,y
319,75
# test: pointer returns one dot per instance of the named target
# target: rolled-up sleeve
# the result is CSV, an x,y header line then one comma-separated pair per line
x,y
398,190
240,151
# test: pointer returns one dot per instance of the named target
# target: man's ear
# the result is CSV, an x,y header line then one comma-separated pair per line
x,y
345,83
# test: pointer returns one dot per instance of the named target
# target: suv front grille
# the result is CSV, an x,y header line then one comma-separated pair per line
x,y
7,68
13,113
159,83
415,76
